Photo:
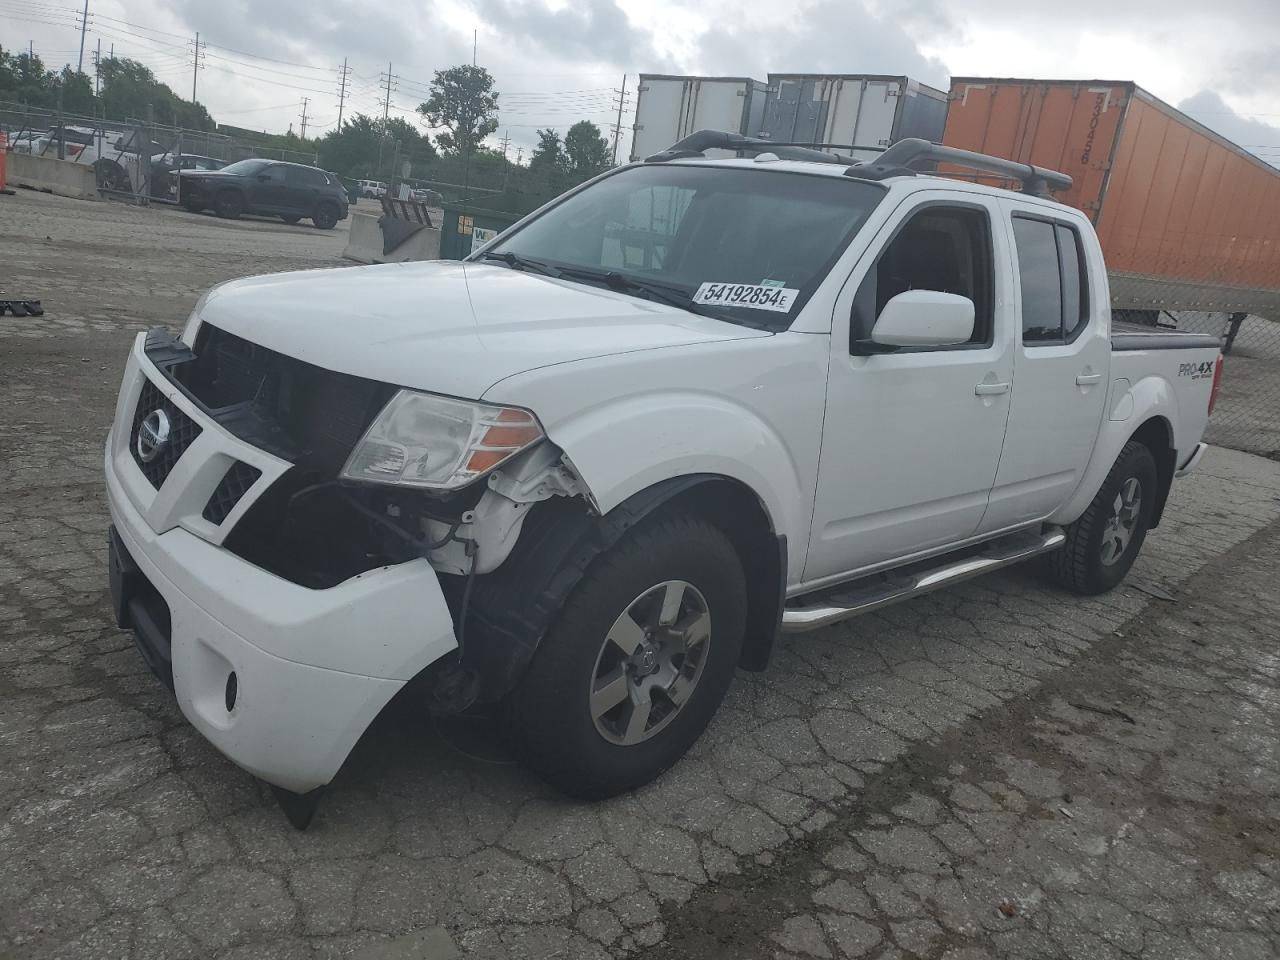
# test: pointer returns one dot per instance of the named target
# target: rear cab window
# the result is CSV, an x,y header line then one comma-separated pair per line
x,y
1054,280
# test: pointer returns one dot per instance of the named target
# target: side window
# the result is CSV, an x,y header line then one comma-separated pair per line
x,y
274,174
1075,281
941,248
1055,293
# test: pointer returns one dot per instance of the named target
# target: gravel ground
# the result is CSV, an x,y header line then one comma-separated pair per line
x,y
998,769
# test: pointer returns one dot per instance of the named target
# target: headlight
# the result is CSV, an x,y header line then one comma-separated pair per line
x,y
423,440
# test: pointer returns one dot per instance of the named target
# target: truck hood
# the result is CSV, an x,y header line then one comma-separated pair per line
x,y
447,326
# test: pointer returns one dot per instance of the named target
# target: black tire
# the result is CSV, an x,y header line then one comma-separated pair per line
x,y
109,175
1082,563
548,717
326,216
290,218
228,204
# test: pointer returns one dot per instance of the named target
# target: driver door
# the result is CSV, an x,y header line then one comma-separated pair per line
x,y
912,438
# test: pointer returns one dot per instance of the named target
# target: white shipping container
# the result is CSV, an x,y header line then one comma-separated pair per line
x,y
865,110
669,108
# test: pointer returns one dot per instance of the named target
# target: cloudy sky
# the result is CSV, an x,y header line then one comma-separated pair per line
x,y
557,61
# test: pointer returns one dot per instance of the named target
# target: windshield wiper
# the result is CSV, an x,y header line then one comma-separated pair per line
x,y
517,262
667,293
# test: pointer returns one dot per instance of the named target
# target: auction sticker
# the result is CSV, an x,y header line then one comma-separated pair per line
x,y
750,295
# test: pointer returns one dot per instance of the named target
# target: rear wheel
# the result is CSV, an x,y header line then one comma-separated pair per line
x,y
326,216
228,204
1104,542
631,674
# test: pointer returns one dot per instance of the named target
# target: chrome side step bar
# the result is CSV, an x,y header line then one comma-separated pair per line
x,y
883,589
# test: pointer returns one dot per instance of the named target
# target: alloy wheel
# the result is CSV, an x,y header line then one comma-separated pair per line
x,y
650,662
1123,522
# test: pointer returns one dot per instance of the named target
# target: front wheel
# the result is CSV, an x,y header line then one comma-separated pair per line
x,y
1104,542
631,674
228,204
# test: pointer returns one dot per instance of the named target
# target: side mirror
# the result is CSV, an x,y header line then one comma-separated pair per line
x,y
924,318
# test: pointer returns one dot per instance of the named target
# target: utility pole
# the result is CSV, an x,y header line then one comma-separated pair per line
x,y
474,35
386,113
386,102
617,127
305,101
197,60
506,167
342,92
84,25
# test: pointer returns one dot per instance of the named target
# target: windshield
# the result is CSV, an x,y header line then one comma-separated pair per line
x,y
246,168
749,246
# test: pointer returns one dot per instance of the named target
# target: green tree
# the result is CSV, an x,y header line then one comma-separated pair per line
x,y
354,150
586,151
76,91
130,91
549,153
464,103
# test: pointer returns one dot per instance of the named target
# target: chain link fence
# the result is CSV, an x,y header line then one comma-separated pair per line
x,y
131,159
1247,415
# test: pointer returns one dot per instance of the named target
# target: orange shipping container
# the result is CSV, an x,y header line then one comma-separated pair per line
x,y
1187,219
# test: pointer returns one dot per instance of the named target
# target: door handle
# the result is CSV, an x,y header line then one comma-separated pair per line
x,y
990,389
1087,379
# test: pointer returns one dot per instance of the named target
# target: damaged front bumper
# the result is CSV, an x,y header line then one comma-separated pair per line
x,y
281,678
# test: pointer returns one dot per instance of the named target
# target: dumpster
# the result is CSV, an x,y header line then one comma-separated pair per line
x,y
467,228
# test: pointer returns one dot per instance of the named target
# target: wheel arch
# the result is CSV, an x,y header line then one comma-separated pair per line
x,y
1150,411
512,608
1156,434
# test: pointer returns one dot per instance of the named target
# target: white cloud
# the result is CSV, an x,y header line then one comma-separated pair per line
x,y
559,60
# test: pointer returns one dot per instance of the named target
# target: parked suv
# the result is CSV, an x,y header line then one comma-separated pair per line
x,y
373,189
290,191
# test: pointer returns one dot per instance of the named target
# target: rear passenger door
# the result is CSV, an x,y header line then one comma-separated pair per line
x,y
304,188
1060,372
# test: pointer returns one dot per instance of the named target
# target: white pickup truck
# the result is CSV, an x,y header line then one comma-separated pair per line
x,y
587,473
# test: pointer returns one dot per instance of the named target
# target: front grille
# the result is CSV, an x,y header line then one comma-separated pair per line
x,y
182,432
235,484
306,414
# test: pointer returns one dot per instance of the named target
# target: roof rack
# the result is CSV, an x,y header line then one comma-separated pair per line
x,y
694,145
897,160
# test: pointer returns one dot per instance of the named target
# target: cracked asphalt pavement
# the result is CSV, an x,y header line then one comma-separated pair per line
x,y
1000,769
